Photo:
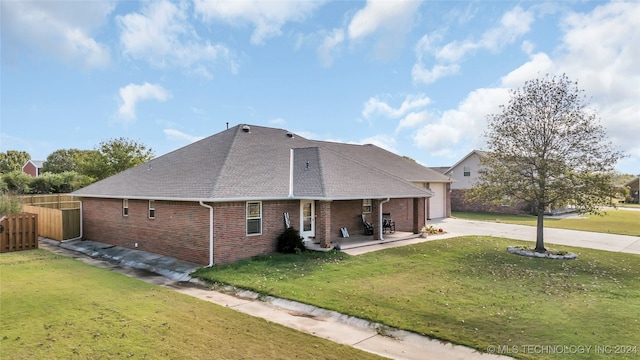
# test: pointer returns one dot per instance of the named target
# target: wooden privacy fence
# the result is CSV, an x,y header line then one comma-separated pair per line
x,y
56,224
51,201
58,215
18,232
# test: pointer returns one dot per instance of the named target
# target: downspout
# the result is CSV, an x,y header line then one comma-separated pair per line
x,y
380,218
210,232
291,173
79,237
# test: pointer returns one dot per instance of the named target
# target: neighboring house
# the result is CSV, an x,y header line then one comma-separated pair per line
x,y
32,168
223,198
466,171
464,174
634,186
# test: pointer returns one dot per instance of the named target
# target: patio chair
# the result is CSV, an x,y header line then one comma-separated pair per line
x,y
368,227
388,224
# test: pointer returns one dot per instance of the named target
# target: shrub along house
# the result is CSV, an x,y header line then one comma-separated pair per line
x,y
223,198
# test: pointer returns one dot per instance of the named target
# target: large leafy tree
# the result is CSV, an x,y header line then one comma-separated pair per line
x,y
112,157
546,148
13,160
61,160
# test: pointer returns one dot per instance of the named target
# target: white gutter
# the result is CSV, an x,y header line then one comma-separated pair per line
x,y
380,218
291,173
210,232
79,237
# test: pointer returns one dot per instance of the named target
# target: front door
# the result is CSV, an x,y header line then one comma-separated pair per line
x,y
308,219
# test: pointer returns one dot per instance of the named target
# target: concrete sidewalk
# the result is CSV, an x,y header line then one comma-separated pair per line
x,y
343,329
330,325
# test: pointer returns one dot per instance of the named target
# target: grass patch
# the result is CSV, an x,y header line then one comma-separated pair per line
x,y
621,222
467,290
54,307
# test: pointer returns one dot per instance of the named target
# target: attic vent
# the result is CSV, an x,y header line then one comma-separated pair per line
x,y
246,128
289,134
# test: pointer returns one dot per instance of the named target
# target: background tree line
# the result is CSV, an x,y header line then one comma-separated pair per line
x,y
67,170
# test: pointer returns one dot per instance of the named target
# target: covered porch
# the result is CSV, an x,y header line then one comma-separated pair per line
x,y
359,240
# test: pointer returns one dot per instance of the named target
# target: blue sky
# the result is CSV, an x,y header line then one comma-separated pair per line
x,y
416,78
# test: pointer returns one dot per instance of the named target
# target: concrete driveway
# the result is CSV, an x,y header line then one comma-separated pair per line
x,y
461,227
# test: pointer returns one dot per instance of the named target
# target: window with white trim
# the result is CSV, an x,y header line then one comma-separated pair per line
x,y
467,171
254,217
366,206
125,207
152,209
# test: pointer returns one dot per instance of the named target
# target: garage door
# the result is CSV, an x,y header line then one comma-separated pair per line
x,y
436,202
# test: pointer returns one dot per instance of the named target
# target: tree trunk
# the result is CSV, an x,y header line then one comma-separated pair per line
x,y
540,234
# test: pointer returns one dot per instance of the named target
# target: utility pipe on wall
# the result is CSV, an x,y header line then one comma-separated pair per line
x,y
210,232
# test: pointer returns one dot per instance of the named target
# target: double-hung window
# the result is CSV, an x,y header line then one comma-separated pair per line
x,y
152,209
366,206
467,171
125,207
254,217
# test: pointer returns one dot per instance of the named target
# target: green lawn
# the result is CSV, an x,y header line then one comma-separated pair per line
x,y
467,290
622,222
54,307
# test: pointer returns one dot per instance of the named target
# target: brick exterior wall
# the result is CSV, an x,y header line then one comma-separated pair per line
x,y
181,229
347,214
230,240
459,203
324,230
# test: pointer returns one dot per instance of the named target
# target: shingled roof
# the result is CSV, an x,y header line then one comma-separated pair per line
x,y
253,163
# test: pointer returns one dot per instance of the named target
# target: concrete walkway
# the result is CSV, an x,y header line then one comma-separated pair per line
x,y
330,325
361,334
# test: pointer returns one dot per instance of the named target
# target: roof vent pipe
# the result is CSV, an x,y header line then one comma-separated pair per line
x,y
290,134
246,128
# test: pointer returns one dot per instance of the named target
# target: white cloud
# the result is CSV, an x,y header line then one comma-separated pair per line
x,y
374,106
420,74
527,47
599,49
131,94
382,15
538,65
413,119
268,17
383,141
179,136
327,50
389,21
465,123
513,24
57,28
162,35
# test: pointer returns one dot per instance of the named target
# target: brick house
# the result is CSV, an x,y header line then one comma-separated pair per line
x,y
32,168
223,198
634,188
464,174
